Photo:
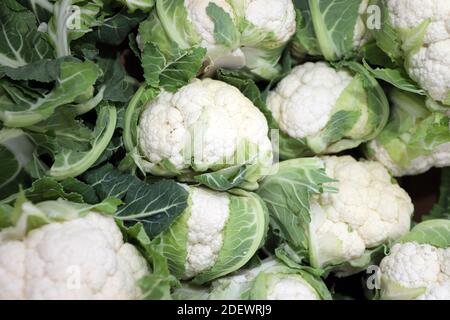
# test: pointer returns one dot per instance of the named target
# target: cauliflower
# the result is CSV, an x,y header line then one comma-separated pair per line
x,y
323,109
428,64
206,125
217,234
335,213
249,34
415,139
270,280
290,288
418,266
367,211
82,258
205,229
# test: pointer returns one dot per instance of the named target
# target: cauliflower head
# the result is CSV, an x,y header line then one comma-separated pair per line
x,y
270,280
322,110
290,287
83,258
415,138
421,269
237,34
429,64
217,234
206,125
368,210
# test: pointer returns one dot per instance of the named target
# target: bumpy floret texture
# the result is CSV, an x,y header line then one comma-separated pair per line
x,y
209,214
201,125
84,258
200,19
439,158
272,16
302,102
361,36
408,14
413,265
430,66
368,209
286,287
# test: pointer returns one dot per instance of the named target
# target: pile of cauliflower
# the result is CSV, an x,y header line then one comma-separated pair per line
x,y
290,137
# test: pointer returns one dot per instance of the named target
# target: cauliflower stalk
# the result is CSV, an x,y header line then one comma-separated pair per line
x,y
335,213
323,32
270,280
418,32
415,139
248,34
217,234
206,132
320,109
418,265
62,250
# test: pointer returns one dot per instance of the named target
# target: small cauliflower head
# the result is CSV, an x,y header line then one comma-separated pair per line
x,y
368,210
249,34
207,125
83,258
428,63
418,267
271,280
217,234
415,138
290,287
322,110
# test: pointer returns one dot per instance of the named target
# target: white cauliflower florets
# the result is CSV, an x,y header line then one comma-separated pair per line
x,y
361,34
209,214
277,16
408,14
302,102
202,124
415,266
368,210
200,19
84,258
287,287
430,66
439,158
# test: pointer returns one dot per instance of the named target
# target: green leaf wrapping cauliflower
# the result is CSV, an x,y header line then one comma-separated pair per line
x,y
329,28
208,132
335,230
217,234
322,110
63,250
415,138
249,34
271,280
418,267
418,32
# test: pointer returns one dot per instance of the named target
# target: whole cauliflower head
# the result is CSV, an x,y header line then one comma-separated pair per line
x,y
430,66
84,258
290,287
205,235
272,16
302,102
439,158
416,271
367,211
203,125
216,234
